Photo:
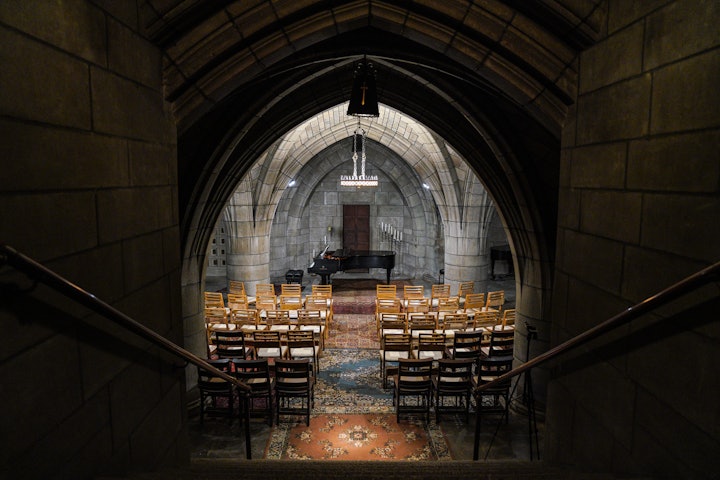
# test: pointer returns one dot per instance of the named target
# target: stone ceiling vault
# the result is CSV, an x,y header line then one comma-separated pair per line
x,y
493,79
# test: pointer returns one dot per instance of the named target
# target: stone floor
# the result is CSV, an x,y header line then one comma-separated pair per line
x,y
498,441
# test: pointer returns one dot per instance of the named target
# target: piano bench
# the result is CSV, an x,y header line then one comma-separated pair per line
x,y
294,276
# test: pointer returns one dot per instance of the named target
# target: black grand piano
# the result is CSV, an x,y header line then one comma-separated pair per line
x,y
335,261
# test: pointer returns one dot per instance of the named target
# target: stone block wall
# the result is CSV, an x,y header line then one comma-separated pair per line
x,y
304,214
639,210
88,188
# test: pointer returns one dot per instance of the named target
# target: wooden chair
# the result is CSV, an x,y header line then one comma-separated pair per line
x,y
325,291
392,323
447,305
508,318
421,323
291,289
267,345
237,301
474,302
413,291
215,318
495,300
431,345
294,392
236,287
502,343
417,305
214,299
452,323
453,386
386,305
466,345
217,395
264,289
278,321
291,303
215,315
264,303
386,291
496,399
319,303
413,387
245,319
437,292
301,344
231,344
393,347
465,289
256,375
313,321
484,321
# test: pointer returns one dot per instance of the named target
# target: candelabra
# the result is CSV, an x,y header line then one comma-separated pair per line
x,y
389,233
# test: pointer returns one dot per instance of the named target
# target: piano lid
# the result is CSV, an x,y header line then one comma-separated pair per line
x,y
346,253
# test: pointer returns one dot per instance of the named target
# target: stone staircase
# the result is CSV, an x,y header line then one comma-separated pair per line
x,y
224,469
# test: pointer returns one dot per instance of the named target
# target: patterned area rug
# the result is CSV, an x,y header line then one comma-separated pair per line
x,y
349,382
353,331
354,319
354,418
358,437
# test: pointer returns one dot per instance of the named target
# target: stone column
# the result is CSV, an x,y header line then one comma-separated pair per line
x,y
248,248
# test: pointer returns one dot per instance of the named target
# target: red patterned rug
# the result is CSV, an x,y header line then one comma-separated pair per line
x,y
358,437
353,331
353,323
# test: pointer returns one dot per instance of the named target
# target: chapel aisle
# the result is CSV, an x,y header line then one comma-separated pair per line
x,y
349,383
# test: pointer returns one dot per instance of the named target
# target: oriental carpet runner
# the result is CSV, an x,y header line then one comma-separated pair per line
x,y
358,437
354,419
353,323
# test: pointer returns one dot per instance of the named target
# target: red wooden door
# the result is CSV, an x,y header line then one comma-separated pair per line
x,y
356,227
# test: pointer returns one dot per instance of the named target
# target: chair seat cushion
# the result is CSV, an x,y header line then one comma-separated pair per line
x,y
434,354
394,356
270,352
303,352
392,331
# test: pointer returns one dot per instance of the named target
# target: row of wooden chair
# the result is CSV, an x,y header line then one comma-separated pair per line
x,y
437,345
286,388
248,321
446,323
471,304
290,298
448,386
267,344
495,299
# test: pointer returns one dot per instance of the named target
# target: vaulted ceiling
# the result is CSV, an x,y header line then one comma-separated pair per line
x,y
494,78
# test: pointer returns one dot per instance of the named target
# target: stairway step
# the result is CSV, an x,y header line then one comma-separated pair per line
x,y
225,469
229,469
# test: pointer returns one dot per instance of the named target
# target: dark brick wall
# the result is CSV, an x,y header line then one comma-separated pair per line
x,y
88,188
639,210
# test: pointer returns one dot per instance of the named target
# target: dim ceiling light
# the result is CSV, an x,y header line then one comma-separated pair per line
x,y
361,180
363,96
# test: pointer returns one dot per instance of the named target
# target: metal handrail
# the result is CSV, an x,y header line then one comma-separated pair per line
x,y
684,286
43,274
